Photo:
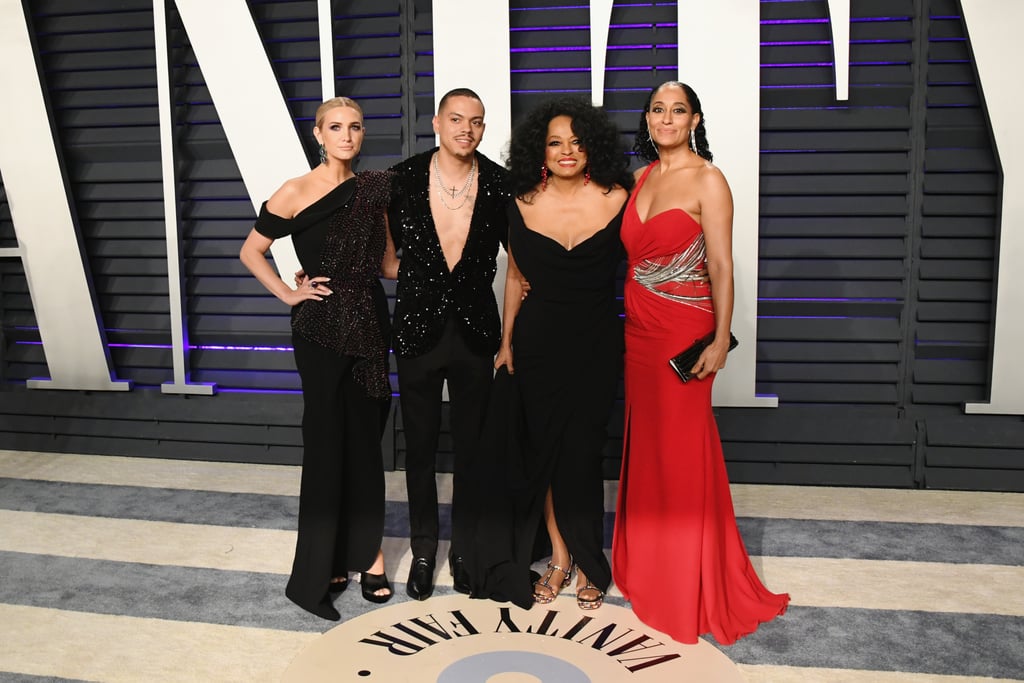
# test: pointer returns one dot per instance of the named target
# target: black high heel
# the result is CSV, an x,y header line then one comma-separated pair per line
x,y
335,587
371,583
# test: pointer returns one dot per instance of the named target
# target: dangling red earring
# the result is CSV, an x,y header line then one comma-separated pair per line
x,y
543,177
586,175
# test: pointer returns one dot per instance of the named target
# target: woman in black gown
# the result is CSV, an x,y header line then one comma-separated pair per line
x,y
559,361
337,222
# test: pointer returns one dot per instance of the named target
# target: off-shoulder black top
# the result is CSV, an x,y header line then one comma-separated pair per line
x,y
341,236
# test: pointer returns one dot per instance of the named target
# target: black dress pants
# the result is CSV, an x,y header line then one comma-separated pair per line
x,y
341,497
420,386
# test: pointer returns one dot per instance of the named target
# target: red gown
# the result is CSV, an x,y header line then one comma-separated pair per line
x,y
677,554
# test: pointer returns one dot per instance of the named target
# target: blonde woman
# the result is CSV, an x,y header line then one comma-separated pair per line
x,y
337,221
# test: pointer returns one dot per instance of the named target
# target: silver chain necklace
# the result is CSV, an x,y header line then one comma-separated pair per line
x,y
455,194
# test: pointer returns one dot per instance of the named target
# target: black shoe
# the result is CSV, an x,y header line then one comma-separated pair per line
x,y
460,577
335,587
371,583
420,585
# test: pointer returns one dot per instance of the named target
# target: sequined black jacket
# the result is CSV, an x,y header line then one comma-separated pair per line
x,y
427,292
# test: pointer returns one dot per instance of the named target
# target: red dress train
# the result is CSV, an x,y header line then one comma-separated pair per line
x,y
677,554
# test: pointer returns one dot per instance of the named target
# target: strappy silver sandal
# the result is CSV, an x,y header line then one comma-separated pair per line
x,y
589,603
545,583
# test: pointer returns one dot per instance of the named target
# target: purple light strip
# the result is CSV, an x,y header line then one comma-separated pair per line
x,y
565,27
576,69
551,49
798,87
532,9
218,347
861,20
825,317
796,42
786,65
565,90
586,48
586,27
831,299
586,69
771,22
200,347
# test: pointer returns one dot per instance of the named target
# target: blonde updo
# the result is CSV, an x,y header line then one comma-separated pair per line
x,y
332,103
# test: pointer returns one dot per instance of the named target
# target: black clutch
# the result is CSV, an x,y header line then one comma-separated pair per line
x,y
683,361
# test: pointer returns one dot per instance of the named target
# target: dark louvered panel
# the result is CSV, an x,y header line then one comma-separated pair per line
x,y
15,306
290,34
8,240
834,205
241,335
819,445
642,53
958,225
225,306
878,229
550,43
975,452
368,68
98,67
419,78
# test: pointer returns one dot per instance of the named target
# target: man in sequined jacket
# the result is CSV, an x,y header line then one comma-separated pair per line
x,y
447,218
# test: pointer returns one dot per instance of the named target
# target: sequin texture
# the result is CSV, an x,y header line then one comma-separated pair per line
x,y
353,320
428,293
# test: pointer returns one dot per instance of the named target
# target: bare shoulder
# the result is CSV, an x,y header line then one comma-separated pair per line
x,y
708,172
638,173
712,179
616,195
288,199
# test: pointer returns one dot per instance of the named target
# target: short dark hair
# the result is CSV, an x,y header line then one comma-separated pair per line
x,y
458,92
606,155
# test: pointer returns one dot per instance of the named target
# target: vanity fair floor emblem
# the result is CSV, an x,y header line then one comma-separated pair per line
x,y
454,639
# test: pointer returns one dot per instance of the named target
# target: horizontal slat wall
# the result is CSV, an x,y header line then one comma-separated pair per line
x,y
878,229
98,69
834,204
958,227
242,336
835,214
956,262
230,427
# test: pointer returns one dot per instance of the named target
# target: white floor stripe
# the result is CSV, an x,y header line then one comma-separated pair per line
x,y
780,502
281,480
99,647
879,505
891,585
819,582
47,642
166,543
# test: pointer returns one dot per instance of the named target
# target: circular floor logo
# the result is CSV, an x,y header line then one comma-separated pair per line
x,y
453,639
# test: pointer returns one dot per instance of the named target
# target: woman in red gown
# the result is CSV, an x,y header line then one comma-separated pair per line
x,y
677,555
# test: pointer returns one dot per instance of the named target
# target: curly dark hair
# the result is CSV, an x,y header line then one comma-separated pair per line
x,y
606,156
644,146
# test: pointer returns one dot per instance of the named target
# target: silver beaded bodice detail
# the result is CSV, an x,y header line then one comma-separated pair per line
x,y
677,277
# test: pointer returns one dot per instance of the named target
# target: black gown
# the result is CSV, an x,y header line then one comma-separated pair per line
x,y
341,356
547,424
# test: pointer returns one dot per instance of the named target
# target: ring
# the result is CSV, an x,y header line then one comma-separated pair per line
x,y
312,284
